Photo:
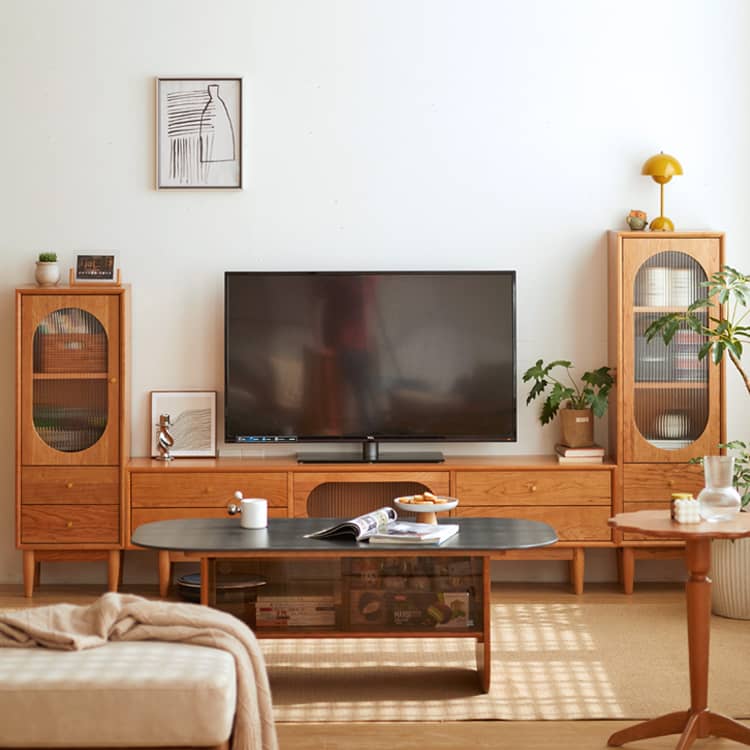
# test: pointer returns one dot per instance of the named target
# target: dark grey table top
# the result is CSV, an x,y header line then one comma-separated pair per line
x,y
287,535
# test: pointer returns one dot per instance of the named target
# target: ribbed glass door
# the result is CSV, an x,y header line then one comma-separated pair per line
x,y
671,385
70,387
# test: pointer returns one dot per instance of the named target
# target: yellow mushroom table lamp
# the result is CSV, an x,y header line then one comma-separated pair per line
x,y
661,168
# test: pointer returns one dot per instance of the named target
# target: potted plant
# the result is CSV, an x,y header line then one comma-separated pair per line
x,y
577,402
726,334
47,271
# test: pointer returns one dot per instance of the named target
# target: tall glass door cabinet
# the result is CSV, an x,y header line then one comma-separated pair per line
x,y
71,444
667,406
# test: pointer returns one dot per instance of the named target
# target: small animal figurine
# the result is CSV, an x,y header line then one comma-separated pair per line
x,y
637,220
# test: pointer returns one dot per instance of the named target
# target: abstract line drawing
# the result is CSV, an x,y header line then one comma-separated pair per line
x,y
192,422
199,133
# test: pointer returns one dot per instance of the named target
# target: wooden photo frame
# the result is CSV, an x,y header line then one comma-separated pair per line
x,y
198,133
192,416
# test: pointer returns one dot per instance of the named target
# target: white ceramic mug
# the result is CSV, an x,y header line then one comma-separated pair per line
x,y
253,511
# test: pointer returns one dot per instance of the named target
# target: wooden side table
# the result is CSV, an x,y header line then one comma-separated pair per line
x,y
697,721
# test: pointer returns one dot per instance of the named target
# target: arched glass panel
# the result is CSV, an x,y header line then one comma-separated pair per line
x,y
70,408
671,383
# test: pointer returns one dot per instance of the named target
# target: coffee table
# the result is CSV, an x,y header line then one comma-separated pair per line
x,y
219,539
697,722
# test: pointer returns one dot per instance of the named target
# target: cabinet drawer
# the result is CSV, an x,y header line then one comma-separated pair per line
x,y
67,485
572,524
93,524
654,483
501,488
173,489
147,515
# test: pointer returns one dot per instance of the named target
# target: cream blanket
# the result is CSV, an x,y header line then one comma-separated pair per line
x,y
124,617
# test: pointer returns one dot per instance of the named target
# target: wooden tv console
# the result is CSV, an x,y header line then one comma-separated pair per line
x,y
576,500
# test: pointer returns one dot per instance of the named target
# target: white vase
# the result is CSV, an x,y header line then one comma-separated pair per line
x,y
47,273
730,576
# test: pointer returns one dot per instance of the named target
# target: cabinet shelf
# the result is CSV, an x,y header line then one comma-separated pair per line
x,y
671,385
71,375
658,309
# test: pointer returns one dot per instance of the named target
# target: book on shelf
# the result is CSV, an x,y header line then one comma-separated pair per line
x,y
408,532
590,451
580,459
381,527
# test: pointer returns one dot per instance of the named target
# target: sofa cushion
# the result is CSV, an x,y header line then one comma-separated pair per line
x,y
143,693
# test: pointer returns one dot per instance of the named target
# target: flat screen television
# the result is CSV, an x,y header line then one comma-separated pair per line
x,y
372,357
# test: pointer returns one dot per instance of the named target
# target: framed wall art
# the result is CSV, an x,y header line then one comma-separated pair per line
x,y
96,267
198,133
191,419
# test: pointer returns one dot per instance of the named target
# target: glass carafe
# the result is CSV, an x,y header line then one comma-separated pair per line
x,y
719,500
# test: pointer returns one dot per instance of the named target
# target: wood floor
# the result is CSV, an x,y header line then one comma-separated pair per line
x,y
447,735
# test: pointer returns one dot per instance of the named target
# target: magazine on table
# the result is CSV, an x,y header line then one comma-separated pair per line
x,y
362,527
381,527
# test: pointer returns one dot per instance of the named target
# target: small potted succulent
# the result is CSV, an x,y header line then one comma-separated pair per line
x,y
577,402
47,271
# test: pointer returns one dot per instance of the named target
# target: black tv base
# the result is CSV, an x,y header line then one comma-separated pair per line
x,y
371,454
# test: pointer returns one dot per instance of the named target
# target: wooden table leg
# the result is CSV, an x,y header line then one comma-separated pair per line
x,y
165,572
205,583
483,647
698,722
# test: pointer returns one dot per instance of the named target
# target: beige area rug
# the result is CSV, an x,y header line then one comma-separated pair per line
x,y
550,661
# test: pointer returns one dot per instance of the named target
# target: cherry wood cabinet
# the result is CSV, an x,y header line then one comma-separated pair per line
x,y
575,500
667,406
71,425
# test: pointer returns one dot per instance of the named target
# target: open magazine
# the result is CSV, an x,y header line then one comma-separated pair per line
x,y
380,526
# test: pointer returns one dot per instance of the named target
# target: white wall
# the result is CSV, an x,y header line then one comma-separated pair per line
x,y
383,134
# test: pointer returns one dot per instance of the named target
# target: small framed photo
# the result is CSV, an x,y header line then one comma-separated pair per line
x,y
192,419
198,133
99,267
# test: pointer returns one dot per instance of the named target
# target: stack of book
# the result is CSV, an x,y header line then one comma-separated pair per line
x,y
592,454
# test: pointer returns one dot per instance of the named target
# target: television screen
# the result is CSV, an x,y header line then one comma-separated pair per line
x,y
388,356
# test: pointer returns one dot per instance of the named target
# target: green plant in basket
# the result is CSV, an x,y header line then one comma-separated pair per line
x,y
590,392
48,257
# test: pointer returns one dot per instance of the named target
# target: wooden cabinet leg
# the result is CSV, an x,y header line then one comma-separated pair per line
x,y
113,569
37,574
628,569
28,572
577,564
165,572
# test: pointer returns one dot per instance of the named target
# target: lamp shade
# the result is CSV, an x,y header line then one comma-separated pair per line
x,y
661,167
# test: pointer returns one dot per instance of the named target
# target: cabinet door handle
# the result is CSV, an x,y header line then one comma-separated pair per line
x,y
69,485
69,524
113,380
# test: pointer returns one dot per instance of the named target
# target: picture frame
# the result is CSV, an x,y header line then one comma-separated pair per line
x,y
199,133
193,422
96,268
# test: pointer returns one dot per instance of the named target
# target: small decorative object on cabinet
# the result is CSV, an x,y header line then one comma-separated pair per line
x,y
637,220
95,269
666,407
164,439
71,426
579,402
47,271
661,168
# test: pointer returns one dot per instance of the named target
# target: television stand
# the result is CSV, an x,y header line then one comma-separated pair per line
x,y
371,454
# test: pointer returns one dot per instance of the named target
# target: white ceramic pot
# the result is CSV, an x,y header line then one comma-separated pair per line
x,y
47,273
730,576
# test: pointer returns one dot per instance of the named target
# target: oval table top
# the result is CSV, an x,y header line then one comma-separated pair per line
x,y
658,523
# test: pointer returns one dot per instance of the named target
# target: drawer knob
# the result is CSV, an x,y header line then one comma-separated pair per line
x,y
69,485
532,487
69,524
670,482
